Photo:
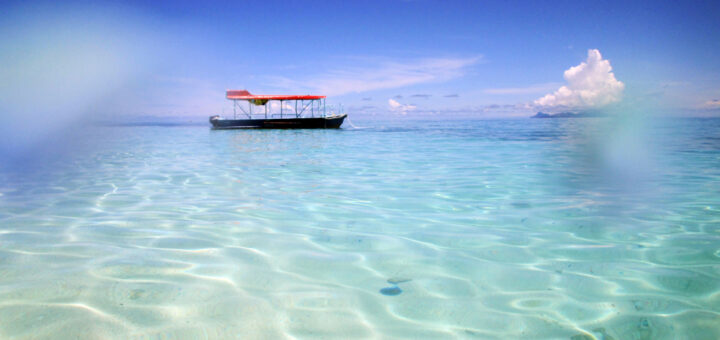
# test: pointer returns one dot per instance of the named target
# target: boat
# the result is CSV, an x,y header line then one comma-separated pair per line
x,y
295,112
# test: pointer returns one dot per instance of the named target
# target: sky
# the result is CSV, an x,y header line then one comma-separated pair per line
x,y
139,59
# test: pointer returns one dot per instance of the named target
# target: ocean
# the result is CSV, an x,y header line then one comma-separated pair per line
x,y
596,228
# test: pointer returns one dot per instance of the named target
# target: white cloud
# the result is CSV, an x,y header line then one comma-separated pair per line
x,y
590,84
381,74
274,107
712,104
538,88
395,106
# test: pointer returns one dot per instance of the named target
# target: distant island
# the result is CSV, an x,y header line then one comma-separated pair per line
x,y
583,114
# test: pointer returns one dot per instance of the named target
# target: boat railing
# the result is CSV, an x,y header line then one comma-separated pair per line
x,y
332,110
301,109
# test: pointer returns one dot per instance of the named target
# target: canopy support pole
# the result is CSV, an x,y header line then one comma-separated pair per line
x,y
238,106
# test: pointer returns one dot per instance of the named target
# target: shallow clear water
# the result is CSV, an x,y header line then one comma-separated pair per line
x,y
575,229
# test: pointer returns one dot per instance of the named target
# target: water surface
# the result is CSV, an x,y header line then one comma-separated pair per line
x,y
575,229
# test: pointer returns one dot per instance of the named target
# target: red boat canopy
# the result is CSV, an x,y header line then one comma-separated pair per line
x,y
245,95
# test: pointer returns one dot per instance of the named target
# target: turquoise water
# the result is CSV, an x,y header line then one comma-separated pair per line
x,y
569,229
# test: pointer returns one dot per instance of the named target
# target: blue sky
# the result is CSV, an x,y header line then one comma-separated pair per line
x,y
376,57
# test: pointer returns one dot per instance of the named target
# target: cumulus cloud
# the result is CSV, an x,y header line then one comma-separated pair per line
x,y
589,85
396,107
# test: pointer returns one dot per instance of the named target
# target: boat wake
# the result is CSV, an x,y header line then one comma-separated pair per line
x,y
353,125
